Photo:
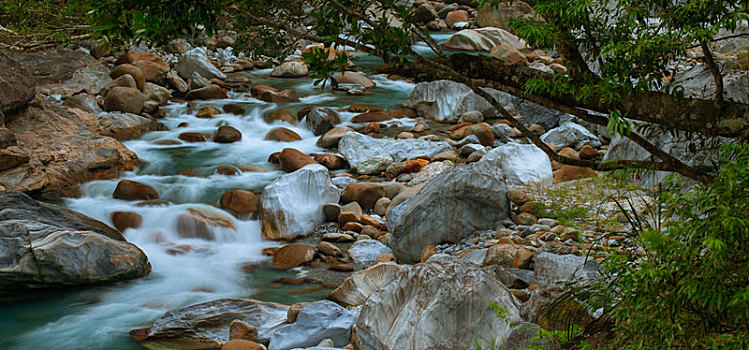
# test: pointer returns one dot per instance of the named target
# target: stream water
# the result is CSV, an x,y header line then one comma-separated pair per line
x,y
100,317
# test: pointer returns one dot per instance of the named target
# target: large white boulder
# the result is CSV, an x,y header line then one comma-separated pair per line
x,y
570,134
441,304
446,100
450,207
521,164
320,320
483,39
292,204
357,148
196,60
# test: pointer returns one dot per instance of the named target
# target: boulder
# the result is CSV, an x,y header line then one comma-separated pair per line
x,y
124,126
572,172
201,223
454,17
572,135
521,164
293,255
292,204
84,102
291,69
64,150
553,269
357,148
196,60
154,72
124,99
371,117
482,131
241,344
209,92
193,137
508,55
227,134
333,136
206,325
123,220
359,286
270,94
354,78
242,330
483,39
293,160
448,208
320,320
43,246
446,100
364,193
133,71
198,81
133,191
93,77
330,161
321,119
440,304
156,93
425,13
241,203
282,134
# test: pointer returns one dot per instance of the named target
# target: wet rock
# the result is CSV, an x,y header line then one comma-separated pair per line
x,y
354,78
374,165
273,95
123,220
207,112
206,324
125,126
357,148
331,138
293,255
241,344
450,206
366,251
227,134
234,108
446,100
284,114
210,92
520,164
293,160
330,161
282,134
320,320
134,191
241,203
291,69
371,117
483,39
356,289
435,306
196,60
381,205
292,204
321,119
43,245
329,249
133,71
570,134
124,99
199,223
64,149
193,137
331,211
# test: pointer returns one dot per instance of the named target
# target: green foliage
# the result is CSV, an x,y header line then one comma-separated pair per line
x,y
686,283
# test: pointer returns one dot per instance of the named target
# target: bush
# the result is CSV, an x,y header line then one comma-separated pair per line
x,y
686,283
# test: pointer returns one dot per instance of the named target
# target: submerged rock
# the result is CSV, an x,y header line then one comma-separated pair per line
x,y
441,304
43,245
450,207
207,325
358,148
320,320
292,204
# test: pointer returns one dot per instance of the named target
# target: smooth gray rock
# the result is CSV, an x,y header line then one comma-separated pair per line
x,y
196,60
483,39
521,164
553,268
125,126
43,245
84,102
446,100
320,320
208,323
570,135
440,304
450,207
94,77
357,148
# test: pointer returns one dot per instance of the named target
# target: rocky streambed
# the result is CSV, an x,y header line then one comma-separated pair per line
x,y
208,201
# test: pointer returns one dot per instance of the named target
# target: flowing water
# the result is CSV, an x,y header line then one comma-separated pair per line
x,y
230,266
